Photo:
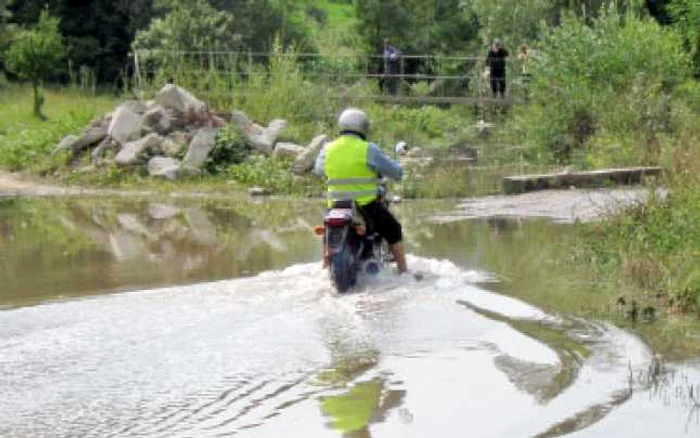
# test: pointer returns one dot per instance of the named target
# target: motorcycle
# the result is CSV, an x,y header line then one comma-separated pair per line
x,y
351,247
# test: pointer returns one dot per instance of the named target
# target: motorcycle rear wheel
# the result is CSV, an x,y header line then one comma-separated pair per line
x,y
343,270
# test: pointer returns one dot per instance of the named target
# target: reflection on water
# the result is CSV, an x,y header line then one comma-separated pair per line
x,y
353,411
70,247
268,350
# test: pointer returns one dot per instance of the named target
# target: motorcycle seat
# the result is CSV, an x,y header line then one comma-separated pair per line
x,y
343,203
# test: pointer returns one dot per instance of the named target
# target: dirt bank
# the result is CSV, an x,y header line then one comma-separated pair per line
x,y
559,205
13,184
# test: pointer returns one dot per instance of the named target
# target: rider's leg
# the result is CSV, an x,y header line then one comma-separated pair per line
x,y
389,228
399,253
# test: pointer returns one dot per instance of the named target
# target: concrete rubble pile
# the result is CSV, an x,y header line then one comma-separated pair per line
x,y
174,134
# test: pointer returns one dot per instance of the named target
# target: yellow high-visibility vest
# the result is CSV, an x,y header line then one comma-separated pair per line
x,y
348,175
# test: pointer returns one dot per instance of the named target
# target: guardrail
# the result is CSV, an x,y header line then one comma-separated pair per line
x,y
421,78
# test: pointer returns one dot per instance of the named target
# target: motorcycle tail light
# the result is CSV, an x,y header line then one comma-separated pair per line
x,y
335,222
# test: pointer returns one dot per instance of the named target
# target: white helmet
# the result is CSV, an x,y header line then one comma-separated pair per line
x,y
354,120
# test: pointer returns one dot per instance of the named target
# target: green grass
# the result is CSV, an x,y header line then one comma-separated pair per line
x,y
560,269
25,141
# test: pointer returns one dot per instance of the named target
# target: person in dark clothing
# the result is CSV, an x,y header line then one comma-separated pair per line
x,y
496,63
391,66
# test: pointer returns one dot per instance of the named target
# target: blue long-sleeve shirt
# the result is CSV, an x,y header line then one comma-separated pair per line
x,y
376,160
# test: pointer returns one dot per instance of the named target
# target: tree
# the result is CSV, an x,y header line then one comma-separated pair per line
x,y
5,29
34,52
181,37
613,75
261,22
97,33
513,21
416,26
203,25
686,15
4,15
189,25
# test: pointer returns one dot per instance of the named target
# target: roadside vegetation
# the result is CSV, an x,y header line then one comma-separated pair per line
x,y
26,142
611,83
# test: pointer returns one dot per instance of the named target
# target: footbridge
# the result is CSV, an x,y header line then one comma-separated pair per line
x,y
421,79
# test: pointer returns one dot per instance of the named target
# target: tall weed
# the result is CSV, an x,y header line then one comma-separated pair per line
x,y
611,78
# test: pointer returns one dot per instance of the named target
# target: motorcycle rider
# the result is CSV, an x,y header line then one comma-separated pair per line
x,y
353,166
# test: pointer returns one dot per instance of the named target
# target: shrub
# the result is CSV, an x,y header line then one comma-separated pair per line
x,y
231,147
610,77
653,246
273,174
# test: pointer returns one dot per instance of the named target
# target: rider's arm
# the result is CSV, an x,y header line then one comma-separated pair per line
x,y
320,163
379,161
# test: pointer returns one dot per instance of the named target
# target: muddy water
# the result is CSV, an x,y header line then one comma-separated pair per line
x,y
145,318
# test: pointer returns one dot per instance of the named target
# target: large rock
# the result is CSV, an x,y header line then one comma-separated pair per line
x,y
101,121
98,154
289,150
126,125
176,144
137,106
305,162
164,167
201,145
134,151
239,118
216,121
66,144
171,148
265,141
261,138
157,119
90,137
174,98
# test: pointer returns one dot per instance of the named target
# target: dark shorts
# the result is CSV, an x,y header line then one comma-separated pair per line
x,y
380,220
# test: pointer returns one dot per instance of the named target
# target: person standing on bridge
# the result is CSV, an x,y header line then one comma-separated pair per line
x,y
391,66
496,63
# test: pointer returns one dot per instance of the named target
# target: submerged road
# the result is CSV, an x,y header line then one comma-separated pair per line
x,y
271,351
280,355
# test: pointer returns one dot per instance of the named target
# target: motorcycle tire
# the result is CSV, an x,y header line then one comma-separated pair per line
x,y
343,270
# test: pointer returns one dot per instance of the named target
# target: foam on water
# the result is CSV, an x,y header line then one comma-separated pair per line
x,y
255,356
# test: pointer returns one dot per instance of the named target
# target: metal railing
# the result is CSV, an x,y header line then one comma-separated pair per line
x,y
420,78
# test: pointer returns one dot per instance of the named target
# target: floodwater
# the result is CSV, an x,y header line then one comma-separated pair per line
x,y
212,318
